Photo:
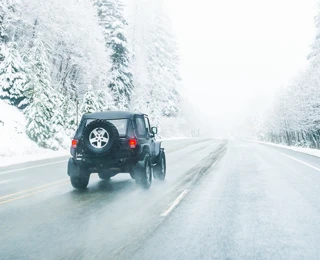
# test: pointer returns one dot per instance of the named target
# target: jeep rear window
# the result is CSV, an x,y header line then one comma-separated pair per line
x,y
120,124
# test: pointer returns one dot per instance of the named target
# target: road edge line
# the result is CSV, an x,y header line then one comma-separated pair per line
x,y
302,162
31,167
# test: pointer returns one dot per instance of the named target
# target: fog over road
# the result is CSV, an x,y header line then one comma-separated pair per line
x,y
221,200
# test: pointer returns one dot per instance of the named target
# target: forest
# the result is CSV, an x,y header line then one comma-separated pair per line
x,y
294,118
60,59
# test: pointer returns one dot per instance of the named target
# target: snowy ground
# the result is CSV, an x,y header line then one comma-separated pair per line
x,y
15,146
314,152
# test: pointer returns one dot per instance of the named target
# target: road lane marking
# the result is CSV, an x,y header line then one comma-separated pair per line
x,y
307,164
32,167
175,203
36,188
32,193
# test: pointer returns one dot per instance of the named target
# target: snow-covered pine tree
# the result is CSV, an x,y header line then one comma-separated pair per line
x,y
13,77
158,95
58,121
69,104
70,108
163,64
74,58
44,105
314,56
105,100
6,18
90,102
111,17
3,10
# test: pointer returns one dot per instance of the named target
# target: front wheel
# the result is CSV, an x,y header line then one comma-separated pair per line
x,y
160,170
79,182
143,176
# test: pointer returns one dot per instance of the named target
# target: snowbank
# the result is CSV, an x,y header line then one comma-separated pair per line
x,y
15,146
314,152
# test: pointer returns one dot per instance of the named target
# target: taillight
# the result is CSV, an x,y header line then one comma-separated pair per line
x,y
132,143
74,143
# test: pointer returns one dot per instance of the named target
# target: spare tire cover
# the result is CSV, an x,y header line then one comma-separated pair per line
x,y
100,137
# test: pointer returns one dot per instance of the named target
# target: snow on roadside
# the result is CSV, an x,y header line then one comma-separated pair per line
x,y
310,151
15,146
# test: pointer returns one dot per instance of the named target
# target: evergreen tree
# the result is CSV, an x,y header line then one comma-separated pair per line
x,y
158,95
44,105
163,65
110,13
58,119
69,105
13,78
90,102
315,47
68,111
105,98
2,18
7,9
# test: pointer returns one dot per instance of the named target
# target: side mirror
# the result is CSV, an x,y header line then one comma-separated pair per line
x,y
154,130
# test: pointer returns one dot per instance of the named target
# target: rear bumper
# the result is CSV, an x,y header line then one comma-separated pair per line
x,y
100,164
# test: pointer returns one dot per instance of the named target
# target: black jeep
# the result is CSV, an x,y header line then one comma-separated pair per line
x,y
115,142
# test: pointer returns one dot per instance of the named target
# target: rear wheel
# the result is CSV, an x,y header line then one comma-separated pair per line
x,y
143,174
79,182
79,176
160,170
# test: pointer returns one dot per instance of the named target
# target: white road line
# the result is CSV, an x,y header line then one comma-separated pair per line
x,y
32,167
175,203
297,160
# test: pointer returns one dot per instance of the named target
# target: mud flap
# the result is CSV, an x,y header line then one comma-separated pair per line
x,y
73,168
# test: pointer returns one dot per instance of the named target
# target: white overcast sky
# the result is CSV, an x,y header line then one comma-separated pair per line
x,y
236,54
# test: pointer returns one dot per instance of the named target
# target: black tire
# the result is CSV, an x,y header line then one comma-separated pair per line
x,y
104,176
160,170
79,182
104,134
143,173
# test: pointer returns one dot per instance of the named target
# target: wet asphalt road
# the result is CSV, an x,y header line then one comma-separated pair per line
x,y
235,200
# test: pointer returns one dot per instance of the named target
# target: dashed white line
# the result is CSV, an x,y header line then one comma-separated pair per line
x,y
32,167
175,203
297,160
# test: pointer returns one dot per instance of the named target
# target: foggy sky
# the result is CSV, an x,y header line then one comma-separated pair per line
x,y
237,54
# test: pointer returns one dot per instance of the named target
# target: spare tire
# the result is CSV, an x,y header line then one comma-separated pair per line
x,y
100,138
